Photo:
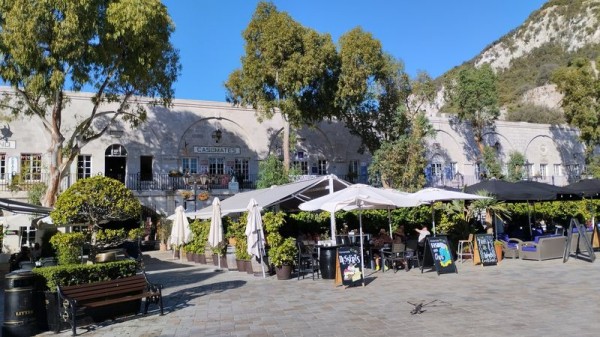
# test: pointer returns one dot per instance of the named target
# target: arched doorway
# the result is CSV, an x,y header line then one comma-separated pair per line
x,y
115,162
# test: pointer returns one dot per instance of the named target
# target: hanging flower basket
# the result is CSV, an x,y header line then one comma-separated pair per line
x,y
203,196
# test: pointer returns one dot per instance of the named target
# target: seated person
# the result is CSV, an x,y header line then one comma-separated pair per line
x,y
399,235
378,242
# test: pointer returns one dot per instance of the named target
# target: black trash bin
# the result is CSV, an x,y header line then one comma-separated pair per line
x,y
19,313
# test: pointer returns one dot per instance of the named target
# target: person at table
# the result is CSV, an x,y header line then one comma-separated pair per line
x,y
399,235
378,242
423,233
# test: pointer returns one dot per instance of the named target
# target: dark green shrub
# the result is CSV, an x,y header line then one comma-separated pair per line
x,y
68,247
73,274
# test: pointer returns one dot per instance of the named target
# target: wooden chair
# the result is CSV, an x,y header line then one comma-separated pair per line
x,y
465,248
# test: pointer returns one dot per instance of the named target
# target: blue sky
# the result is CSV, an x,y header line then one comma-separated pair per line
x,y
429,35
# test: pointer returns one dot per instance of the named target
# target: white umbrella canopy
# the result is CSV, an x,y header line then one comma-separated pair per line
x,y
370,197
254,233
432,194
180,232
215,234
360,197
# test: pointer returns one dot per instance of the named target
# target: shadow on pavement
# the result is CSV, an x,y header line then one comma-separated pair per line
x,y
184,296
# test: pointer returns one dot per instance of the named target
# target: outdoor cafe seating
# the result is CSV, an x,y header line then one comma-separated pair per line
x,y
307,260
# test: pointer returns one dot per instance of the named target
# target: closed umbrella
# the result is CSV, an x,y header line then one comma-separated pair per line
x,y
180,232
254,233
215,234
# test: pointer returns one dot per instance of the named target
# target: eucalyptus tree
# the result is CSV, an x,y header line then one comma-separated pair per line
x,y
286,68
580,85
474,96
118,49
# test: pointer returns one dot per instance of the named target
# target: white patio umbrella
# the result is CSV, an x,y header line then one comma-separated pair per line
x,y
431,194
180,232
378,198
215,234
254,233
361,197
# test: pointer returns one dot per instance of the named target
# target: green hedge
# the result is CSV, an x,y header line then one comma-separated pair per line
x,y
50,277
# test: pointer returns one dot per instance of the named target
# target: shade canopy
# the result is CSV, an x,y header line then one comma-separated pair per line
x,y
254,232
432,194
360,196
518,192
286,196
215,233
587,188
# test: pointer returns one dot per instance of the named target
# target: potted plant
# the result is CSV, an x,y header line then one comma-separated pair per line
x,y
187,195
236,232
282,251
164,231
498,247
219,252
203,196
283,255
200,231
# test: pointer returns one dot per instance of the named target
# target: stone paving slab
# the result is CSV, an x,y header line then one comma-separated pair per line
x,y
526,298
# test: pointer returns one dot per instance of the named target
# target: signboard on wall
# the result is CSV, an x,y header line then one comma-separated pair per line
x,y
8,144
217,149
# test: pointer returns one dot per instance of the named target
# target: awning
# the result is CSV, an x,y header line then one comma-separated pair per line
x,y
23,207
287,196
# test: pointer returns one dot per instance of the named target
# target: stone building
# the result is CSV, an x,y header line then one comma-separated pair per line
x,y
220,147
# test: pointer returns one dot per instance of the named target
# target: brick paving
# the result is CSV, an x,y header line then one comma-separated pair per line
x,y
525,298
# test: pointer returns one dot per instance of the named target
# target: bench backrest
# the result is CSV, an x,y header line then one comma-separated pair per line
x,y
90,292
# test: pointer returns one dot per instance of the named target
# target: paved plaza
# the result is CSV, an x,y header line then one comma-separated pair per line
x,y
524,298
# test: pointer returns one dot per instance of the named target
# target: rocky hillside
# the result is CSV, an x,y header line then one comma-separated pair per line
x,y
526,57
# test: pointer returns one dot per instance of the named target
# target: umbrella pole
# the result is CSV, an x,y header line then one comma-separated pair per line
x,y
362,254
390,223
433,218
261,251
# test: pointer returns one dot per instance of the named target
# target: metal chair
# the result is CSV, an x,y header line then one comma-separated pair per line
x,y
307,260
465,248
412,253
395,256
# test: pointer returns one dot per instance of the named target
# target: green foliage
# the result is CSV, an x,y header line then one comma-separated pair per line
x,y
95,200
36,193
164,229
557,212
401,163
237,230
474,96
136,233
491,163
281,250
200,230
271,172
68,247
580,85
110,237
121,48
69,275
531,113
516,166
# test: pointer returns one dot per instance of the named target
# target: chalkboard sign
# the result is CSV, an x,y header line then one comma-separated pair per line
x,y
439,251
349,259
576,227
486,250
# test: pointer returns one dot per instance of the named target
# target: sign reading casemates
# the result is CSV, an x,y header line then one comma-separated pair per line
x,y
217,149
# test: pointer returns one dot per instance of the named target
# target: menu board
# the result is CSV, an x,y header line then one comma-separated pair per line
x,y
441,255
349,259
486,250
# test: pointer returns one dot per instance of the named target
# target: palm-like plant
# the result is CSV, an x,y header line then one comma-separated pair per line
x,y
492,208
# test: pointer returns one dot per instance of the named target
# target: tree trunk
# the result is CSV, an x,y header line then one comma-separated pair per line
x,y
286,146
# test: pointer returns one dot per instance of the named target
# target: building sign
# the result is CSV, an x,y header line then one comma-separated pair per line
x,y
8,144
217,149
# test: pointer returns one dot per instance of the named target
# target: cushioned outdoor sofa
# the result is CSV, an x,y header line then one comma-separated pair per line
x,y
543,248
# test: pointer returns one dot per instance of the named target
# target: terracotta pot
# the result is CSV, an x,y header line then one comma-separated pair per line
x,y
284,272
241,265
248,268
163,247
498,249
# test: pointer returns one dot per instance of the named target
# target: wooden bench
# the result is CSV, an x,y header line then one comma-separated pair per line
x,y
74,299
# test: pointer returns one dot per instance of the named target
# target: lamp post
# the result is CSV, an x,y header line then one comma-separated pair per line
x,y
188,178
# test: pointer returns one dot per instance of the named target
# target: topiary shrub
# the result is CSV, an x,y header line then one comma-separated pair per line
x,y
68,247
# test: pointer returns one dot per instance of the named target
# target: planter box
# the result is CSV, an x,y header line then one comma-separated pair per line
x,y
284,272
241,265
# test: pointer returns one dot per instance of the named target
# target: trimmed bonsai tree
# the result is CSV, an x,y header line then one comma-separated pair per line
x,y
94,201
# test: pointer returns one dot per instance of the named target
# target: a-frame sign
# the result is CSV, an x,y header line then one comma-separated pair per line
x,y
583,244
